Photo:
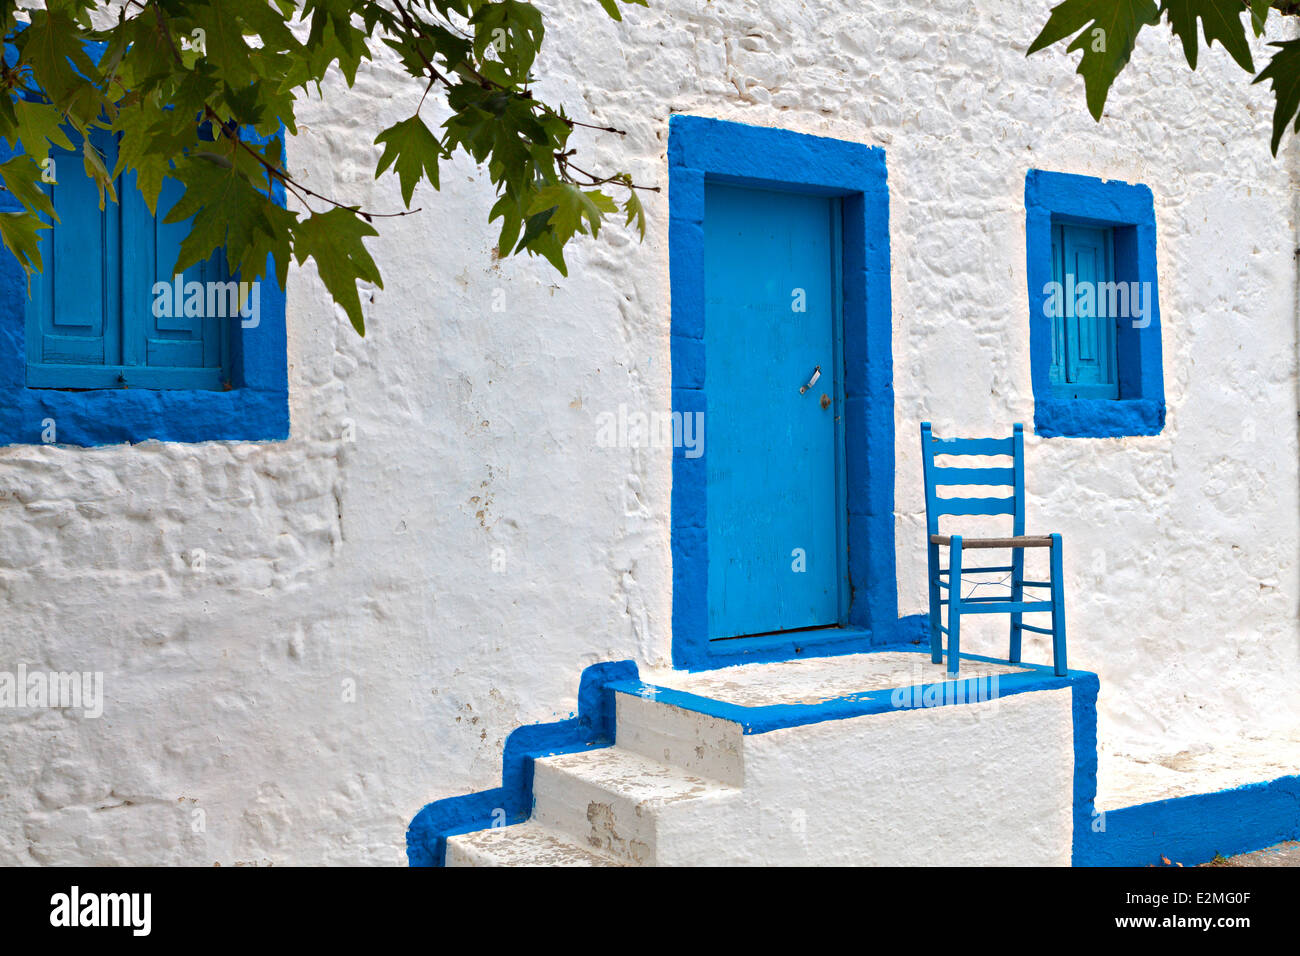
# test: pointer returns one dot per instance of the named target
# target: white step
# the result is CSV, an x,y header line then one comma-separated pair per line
x,y
524,844
697,743
615,801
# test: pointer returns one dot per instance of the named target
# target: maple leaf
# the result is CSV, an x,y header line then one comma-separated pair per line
x,y
334,240
1109,33
413,151
1220,20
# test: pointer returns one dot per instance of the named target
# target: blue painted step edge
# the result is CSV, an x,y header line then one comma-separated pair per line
x,y
512,802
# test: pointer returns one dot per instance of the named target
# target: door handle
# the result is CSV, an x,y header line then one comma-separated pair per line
x,y
817,373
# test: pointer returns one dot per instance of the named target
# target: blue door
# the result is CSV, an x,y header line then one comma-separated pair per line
x,y
774,407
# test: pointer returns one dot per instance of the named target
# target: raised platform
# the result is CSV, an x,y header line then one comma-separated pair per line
x,y
874,758
823,761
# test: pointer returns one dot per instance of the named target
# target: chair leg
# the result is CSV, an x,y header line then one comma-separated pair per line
x,y
954,606
1017,595
1058,609
936,639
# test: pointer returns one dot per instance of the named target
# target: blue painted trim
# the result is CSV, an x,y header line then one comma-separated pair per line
x,y
1130,211
701,150
256,409
1187,830
1192,829
770,717
512,802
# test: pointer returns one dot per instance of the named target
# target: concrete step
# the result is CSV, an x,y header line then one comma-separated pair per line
x,y
524,844
616,801
696,743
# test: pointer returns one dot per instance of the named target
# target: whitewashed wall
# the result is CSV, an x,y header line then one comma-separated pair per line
x,y
362,549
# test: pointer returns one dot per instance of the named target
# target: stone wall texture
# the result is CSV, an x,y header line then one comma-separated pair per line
x,y
442,545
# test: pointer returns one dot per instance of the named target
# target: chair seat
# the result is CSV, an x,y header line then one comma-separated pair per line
x,y
1020,541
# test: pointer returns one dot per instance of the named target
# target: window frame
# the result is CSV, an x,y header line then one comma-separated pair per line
x,y
255,408
1127,210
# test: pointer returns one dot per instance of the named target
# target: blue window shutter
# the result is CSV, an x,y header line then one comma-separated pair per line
x,y
91,320
170,349
1086,259
72,313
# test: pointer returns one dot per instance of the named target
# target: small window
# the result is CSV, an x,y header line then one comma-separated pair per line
x,y
1084,361
1095,357
107,311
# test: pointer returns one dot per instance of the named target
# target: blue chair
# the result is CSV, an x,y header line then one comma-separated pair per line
x,y
949,580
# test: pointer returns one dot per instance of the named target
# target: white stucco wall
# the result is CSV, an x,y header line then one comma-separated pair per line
x,y
362,549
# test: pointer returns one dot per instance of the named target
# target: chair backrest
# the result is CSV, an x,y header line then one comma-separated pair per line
x,y
937,477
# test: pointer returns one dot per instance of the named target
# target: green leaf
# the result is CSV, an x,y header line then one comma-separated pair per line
x,y
93,163
513,30
1284,71
413,151
224,46
52,44
635,212
227,212
1109,32
1220,20
507,210
1259,15
569,206
21,177
38,125
19,232
148,147
334,241
611,7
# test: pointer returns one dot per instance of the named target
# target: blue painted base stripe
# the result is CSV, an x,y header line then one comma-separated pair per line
x,y
512,802
1193,829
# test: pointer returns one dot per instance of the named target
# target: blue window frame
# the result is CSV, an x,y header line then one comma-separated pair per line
x,y
1094,314
109,348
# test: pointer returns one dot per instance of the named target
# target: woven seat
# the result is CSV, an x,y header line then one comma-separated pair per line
x,y
1023,541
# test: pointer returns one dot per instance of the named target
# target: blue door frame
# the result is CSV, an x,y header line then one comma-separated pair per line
x,y
703,150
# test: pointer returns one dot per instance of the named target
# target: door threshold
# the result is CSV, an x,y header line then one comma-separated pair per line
x,y
768,634
826,641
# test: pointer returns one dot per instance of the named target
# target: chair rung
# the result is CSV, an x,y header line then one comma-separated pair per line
x,y
1010,607
1036,584
975,570
974,506
1036,630
948,476
944,584
974,446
